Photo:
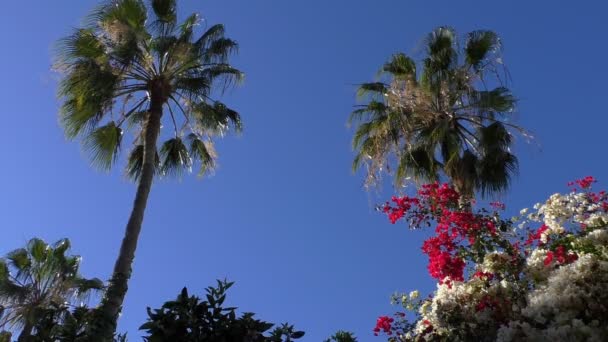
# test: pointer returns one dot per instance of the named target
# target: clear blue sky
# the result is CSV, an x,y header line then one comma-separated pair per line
x,y
284,216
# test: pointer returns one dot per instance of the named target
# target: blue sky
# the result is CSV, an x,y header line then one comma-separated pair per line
x,y
284,216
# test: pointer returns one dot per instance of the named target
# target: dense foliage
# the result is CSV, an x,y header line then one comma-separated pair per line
x,y
539,276
189,319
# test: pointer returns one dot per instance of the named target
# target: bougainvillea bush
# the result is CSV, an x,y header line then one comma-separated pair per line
x,y
542,275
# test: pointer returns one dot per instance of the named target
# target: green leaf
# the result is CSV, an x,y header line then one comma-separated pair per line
x,y
38,249
187,27
135,162
165,10
400,66
479,44
218,50
374,89
297,334
202,151
19,258
213,33
130,13
217,118
174,157
104,144
83,43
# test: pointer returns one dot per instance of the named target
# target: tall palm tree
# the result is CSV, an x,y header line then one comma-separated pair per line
x,y
129,68
451,118
36,279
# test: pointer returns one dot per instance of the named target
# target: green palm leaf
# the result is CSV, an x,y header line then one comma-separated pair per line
x,y
135,162
400,66
103,144
203,152
174,157
479,44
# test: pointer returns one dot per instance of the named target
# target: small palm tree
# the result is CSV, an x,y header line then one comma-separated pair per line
x,y
342,336
131,68
451,118
36,279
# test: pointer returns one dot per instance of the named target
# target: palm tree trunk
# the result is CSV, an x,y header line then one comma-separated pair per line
x,y
112,302
26,332
466,198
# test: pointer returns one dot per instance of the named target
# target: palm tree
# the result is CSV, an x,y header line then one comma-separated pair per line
x,y
123,71
36,279
452,118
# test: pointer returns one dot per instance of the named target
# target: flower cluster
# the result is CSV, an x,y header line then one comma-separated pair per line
x,y
455,227
542,279
384,324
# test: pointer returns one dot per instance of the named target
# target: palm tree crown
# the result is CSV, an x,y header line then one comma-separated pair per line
x,y
451,118
122,61
38,278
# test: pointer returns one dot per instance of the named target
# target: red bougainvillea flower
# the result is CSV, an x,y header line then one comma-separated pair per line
x,y
439,203
584,183
536,236
561,255
498,205
384,324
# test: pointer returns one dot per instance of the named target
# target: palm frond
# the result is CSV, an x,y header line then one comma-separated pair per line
x,y
495,172
225,74
103,144
478,45
82,44
377,89
400,66
417,162
186,29
161,45
442,54
494,137
498,100
203,152
216,118
371,111
130,13
38,249
19,259
218,50
136,118
61,246
497,165
212,34
89,90
124,23
135,162
165,12
174,157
